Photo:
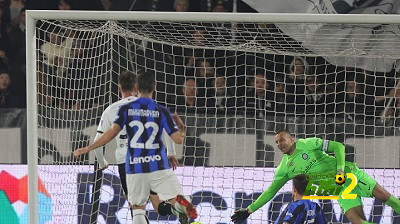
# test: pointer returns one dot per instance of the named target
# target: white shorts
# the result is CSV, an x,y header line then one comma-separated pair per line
x,y
163,182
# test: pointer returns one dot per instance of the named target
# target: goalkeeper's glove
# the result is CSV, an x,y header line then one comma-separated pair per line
x,y
240,215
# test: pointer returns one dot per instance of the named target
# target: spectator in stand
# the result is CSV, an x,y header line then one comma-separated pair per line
x,y
353,103
107,4
204,69
279,90
259,99
79,73
192,54
8,97
4,37
65,5
295,83
17,33
188,103
221,31
314,98
181,5
4,60
215,5
220,97
17,55
201,37
189,100
5,19
380,89
260,107
15,9
381,102
393,94
299,68
219,7
204,73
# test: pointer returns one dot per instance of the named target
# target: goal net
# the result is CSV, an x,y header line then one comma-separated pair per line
x,y
235,80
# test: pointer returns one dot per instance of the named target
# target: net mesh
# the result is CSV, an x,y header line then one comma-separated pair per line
x,y
234,85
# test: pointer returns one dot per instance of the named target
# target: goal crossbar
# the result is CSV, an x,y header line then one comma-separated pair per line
x,y
215,17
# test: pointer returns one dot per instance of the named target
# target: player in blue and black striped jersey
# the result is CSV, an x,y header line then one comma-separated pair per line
x,y
145,121
301,211
147,165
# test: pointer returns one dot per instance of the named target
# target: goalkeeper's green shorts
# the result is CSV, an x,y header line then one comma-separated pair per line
x,y
364,187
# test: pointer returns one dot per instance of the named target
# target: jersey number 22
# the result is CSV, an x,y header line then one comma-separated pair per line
x,y
140,129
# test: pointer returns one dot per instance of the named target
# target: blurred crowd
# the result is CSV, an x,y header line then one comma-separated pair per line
x,y
215,81
12,33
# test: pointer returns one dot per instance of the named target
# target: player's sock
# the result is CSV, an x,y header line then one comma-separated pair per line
x,y
165,208
139,216
183,205
394,203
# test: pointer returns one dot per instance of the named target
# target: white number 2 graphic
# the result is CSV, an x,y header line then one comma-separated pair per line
x,y
140,129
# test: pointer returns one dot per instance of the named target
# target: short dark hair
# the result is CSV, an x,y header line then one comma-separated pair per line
x,y
3,71
300,182
146,82
284,131
127,81
260,72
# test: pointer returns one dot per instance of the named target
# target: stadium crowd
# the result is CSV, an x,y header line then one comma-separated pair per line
x,y
212,80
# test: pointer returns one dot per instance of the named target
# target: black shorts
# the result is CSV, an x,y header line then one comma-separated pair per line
x,y
122,177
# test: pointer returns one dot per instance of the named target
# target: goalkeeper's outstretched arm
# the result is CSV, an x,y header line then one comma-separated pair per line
x,y
280,179
268,194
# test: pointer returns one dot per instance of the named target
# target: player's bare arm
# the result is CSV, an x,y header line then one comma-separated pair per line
x,y
104,139
173,162
178,136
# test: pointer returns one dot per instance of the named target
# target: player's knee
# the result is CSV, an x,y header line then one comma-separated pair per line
x,y
164,208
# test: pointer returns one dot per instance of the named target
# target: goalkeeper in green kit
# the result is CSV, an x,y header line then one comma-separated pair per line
x,y
309,156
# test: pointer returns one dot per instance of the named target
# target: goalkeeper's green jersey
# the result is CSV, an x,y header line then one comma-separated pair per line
x,y
309,158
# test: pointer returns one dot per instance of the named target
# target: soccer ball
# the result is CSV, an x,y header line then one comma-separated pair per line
x,y
340,179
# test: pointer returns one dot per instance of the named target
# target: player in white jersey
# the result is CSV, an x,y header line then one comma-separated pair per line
x,y
147,165
127,82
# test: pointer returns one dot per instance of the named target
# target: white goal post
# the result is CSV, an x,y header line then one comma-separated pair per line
x,y
237,139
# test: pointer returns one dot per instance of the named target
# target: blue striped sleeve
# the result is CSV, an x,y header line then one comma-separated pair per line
x,y
295,212
167,121
122,116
